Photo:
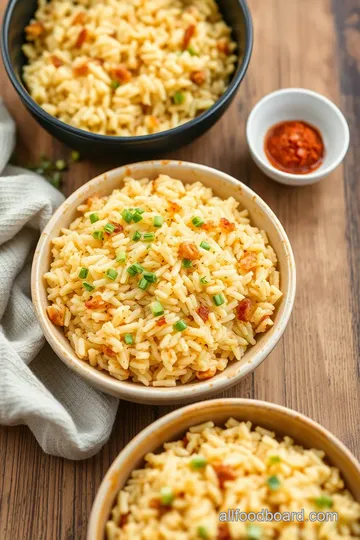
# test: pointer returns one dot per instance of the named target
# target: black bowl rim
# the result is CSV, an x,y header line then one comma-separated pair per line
x,y
95,137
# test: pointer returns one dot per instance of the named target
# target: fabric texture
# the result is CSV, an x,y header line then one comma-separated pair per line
x,y
68,417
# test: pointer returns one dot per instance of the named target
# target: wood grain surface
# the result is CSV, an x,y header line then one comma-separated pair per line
x,y
315,367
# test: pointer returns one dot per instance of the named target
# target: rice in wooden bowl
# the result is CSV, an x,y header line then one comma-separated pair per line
x,y
208,470
161,284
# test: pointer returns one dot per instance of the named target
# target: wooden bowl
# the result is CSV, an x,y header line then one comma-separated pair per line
x,y
173,426
224,186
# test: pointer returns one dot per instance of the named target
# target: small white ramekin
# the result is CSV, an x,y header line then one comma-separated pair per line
x,y
310,107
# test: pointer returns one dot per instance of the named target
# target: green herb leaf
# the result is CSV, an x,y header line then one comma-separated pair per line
x,y
274,483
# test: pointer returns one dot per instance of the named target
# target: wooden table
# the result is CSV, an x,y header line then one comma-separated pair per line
x,y
315,367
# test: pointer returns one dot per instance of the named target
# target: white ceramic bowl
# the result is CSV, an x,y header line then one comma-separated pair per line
x,y
174,425
223,186
298,104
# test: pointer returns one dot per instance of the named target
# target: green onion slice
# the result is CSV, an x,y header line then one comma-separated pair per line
x,y
158,221
197,221
198,462
121,257
186,263
324,502
148,237
166,496
157,309
218,299
88,286
143,284
127,216
136,236
83,274
273,482
112,274
98,235
205,245
180,325
128,339
109,228
150,277
94,217
178,98
137,217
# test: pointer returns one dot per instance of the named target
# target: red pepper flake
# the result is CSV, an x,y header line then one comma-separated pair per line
x,y
244,309
226,225
56,61
108,351
223,532
223,46
161,321
120,73
225,473
294,147
124,518
189,32
188,250
95,303
81,70
208,226
79,18
198,77
248,261
81,38
34,30
203,312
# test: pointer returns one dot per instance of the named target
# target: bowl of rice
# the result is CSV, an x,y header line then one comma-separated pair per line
x,y
230,469
163,281
126,74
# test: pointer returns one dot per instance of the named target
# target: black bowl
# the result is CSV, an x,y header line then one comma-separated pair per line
x,y
17,16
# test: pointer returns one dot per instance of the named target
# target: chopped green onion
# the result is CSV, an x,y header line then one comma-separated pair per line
x,y
148,237
137,216
198,462
98,235
273,460
114,84
253,532
94,217
87,286
218,299
60,165
157,308
143,284
112,274
150,277
127,216
186,263
139,210
135,269
136,236
109,228
83,274
128,339
75,155
178,98
203,532
121,257
180,325
158,221
204,280
205,245
192,51
197,221
166,496
324,502
273,482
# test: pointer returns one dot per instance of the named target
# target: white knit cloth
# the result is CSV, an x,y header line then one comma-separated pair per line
x,y
67,417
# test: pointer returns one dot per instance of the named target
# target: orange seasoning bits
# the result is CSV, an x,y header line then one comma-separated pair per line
x,y
294,147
